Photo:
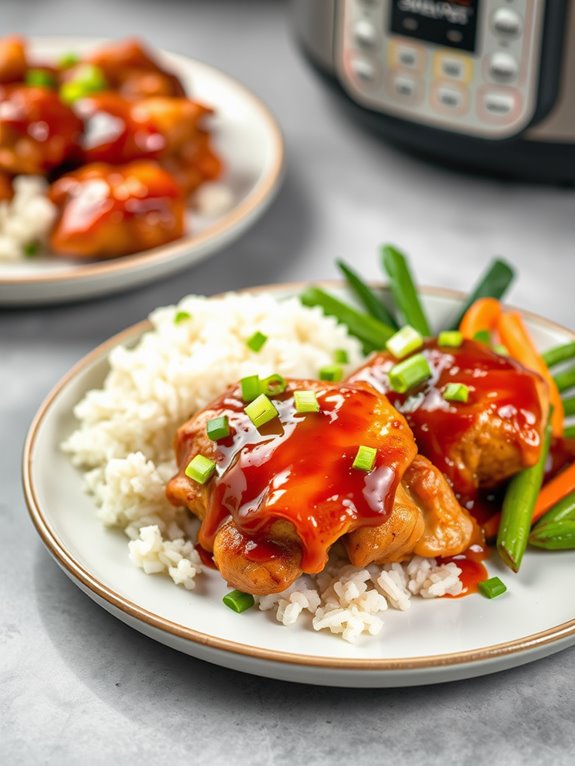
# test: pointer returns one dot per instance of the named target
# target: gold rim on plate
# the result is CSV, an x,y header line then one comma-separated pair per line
x,y
58,550
244,210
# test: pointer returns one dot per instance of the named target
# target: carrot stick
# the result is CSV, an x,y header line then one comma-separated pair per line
x,y
556,489
481,315
517,341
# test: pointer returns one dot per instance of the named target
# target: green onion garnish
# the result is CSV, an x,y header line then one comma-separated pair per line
x,y
181,316
456,392
483,336
340,356
500,349
30,249
331,372
404,342
256,341
200,469
365,458
88,79
238,601
306,401
218,428
68,60
273,385
40,78
261,411
251,387
409,373
492,588
450,338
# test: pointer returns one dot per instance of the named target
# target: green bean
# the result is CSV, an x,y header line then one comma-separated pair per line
x,y
366,296
559,354
569,406
564,510
404,290
565,379
558,536
494,283
569,432
372,333
518,505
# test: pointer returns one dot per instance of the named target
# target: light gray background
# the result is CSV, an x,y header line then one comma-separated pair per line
x,y
77,686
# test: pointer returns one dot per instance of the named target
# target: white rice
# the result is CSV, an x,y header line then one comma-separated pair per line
x,y
124,443
26,219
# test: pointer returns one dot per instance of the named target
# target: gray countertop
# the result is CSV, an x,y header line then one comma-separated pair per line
x,y
77,686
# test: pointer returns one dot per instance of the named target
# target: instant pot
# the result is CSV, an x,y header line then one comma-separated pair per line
x,y
486,84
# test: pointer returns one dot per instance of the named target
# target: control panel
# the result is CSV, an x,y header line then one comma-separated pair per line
x,y
470,66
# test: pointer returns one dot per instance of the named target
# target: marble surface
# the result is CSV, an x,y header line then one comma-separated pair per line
x,y
76,685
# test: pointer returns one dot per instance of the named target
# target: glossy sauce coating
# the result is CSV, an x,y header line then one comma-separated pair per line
x,y
298,468
499,388
473,570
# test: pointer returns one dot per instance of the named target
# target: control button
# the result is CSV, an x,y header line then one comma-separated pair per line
x,y
449,99
365,33
406,56
500,105
506,22
451,67
363,69
404,86
503,67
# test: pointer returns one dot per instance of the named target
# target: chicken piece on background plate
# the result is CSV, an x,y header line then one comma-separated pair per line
x,y
106,210
13,63
479,443
37,131
132,70
169,130
285,492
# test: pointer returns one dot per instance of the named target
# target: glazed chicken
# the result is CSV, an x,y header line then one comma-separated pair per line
x,y
480,443
38,131
106,211
286,492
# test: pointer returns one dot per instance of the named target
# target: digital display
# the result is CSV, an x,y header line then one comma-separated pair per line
x,y
452,23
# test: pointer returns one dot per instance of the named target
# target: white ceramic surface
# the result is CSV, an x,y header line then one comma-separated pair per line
x,y
247,138
434,641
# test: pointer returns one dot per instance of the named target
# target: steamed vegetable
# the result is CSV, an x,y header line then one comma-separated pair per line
x,y
480,316
366,296
493,284
556,489
403,289
565,380
559,354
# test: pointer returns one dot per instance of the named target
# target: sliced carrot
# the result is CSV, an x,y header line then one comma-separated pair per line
x,y
481,315
517,341
556,489
491,526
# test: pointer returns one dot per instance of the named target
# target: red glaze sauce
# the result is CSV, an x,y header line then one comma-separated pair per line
x,y
473,570
497,386
298,467
205,556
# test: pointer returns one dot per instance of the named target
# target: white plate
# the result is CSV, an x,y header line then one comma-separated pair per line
x,y
435,641
247,138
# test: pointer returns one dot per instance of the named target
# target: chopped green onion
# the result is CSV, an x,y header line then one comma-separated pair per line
x,y
492,588
331,372
371,332
40,78
218,428
404,290
261,411
88,79
273,385
494,283
559,354
404,342
200,469
251,387
306,401
238,601
340,356
450,338
483,336
366,296
500,349
68,60
569,432
409,373
181,316
565,379
456,392
30,249
365,458
257,341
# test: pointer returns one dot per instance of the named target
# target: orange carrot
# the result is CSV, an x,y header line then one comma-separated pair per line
x,y
491,526
481,315
517,341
